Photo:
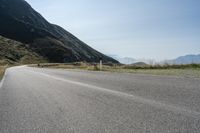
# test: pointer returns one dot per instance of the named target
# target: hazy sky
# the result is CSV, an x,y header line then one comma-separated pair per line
x,y
150,29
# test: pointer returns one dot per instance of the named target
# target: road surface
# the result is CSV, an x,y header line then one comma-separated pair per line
x,y
34,100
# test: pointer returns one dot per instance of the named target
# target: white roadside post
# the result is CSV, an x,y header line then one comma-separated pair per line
x,y
100,65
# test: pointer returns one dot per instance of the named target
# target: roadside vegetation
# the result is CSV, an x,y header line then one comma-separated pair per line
x,y
191,70
2,71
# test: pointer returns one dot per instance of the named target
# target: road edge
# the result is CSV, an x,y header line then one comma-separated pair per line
x,y
2,80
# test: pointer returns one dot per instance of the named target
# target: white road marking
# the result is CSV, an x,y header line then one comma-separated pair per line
x,y
139,99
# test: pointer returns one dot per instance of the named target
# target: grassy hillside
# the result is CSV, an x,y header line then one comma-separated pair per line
x,y
13,52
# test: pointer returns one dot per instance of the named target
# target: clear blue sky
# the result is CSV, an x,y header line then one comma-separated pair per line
x,y
151,29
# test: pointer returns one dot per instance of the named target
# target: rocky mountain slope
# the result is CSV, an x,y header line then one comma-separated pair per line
x,y
19,21
13,52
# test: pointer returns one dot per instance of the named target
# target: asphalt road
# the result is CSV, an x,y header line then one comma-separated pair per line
x,y
34,100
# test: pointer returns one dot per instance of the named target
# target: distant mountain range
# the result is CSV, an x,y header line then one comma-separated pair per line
x,y
20,22
187,59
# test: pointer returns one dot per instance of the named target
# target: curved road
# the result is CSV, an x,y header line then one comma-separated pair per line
x,y
34,100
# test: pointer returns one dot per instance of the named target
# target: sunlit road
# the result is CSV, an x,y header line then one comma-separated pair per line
x,y
34,100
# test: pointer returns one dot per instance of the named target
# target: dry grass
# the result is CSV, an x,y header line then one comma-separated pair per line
x,y
192,70
195,73
2,70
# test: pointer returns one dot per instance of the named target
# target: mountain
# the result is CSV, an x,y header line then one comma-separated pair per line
x,y
139,64
127,60
20,22
188,59
124,60
13,52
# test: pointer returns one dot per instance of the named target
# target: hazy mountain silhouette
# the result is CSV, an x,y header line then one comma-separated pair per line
x,y
124,60
188,59
19,21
